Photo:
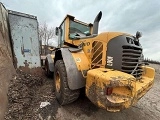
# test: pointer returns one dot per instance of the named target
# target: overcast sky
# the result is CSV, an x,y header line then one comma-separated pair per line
x,y
118,15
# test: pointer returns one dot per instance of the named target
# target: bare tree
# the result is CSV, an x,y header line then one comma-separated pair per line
x,y
45,33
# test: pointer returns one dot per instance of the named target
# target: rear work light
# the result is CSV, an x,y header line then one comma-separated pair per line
x,y
109,90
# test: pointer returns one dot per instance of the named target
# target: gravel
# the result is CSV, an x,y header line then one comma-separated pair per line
x,y
27,92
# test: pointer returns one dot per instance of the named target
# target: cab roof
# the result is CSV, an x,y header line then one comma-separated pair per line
x,y
73,18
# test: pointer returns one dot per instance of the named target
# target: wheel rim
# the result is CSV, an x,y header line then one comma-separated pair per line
x,y
57,82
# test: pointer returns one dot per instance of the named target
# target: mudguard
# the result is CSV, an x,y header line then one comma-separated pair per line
x,y
75,77
50,62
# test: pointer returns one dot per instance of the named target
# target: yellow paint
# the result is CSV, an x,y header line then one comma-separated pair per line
x,y
81,60
123,91
102,37
102,75
126,89
148,72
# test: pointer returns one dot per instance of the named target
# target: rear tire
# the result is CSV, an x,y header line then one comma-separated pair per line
x,y
63,93
48,73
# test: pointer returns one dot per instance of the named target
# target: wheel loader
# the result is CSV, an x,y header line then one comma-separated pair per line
x,y
108,65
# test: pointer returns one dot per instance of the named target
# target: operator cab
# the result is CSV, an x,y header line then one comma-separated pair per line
x,y
71,29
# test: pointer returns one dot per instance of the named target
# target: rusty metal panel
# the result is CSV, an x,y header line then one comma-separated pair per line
x,y
24,35
6,66
5,42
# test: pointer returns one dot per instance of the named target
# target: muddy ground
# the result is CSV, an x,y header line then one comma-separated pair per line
x,y
27,92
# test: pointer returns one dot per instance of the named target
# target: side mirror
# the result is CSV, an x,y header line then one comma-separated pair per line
x,y
56,31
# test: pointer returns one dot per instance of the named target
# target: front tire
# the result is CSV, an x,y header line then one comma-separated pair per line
x,y
63,93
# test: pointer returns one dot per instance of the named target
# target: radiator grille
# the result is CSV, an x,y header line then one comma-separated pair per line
x,y
131,61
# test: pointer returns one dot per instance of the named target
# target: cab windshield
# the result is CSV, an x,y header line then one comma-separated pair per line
x,y
78,29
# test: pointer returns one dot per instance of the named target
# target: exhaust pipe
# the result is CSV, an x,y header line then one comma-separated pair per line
x,y
96,23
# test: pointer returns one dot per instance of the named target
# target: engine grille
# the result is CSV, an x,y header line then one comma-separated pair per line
x,y
131,60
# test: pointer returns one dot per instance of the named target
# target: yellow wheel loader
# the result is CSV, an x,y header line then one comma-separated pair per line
x,y
109,65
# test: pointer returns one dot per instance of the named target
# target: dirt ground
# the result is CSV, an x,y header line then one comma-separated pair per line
x,y
27,92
